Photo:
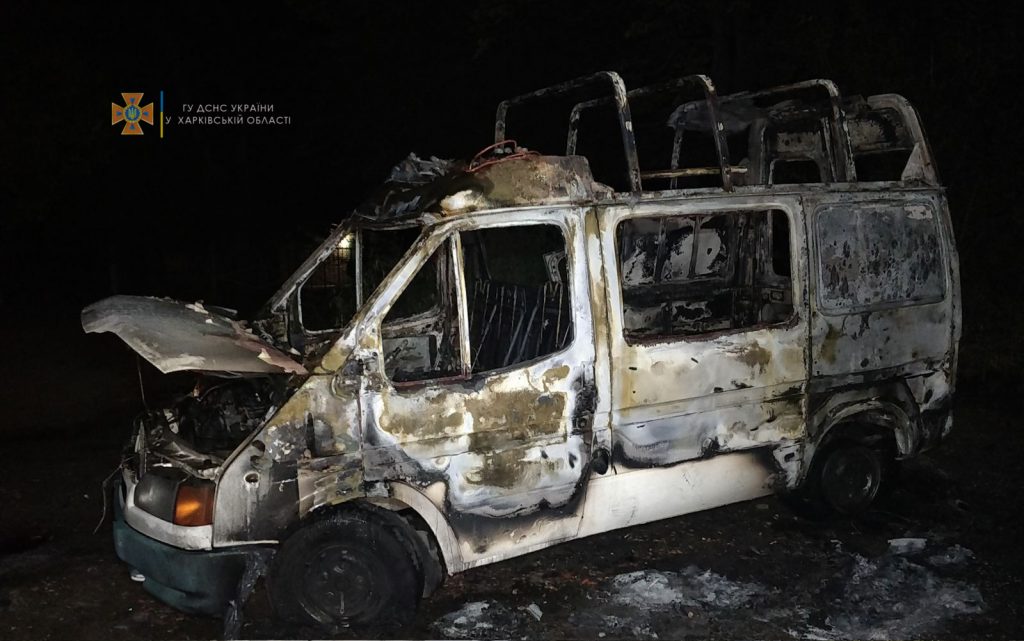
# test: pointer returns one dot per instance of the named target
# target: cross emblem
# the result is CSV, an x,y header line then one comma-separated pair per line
x,y
132,114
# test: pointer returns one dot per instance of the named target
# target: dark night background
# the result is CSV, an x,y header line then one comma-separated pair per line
x,y
223,214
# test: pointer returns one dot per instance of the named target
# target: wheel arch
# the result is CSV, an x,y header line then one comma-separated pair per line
x,y
865,414
444,536
402,497
870,416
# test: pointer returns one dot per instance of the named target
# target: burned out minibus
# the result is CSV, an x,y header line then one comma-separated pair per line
x,y
756,293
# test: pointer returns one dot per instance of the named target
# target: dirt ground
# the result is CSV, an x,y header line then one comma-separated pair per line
x,y
751,570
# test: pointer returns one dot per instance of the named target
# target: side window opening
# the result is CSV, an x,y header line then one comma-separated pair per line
x,y
421,330
690,275
518,289
878,255
420,296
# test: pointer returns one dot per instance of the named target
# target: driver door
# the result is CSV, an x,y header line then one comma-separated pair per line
x,y
488,408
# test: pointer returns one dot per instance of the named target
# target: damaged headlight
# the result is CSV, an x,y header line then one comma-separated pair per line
x,y
193,504
170,494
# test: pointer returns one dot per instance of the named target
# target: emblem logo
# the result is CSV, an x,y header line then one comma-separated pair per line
x,y
131,113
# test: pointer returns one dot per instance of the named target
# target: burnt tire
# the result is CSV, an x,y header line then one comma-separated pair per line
x,y
850,477
846,477
348,568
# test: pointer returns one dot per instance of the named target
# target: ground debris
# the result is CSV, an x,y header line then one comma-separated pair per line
x,y
909,545
894,597
479,620
690,587
653,604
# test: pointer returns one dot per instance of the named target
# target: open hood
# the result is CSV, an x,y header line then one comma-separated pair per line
x,y
176,336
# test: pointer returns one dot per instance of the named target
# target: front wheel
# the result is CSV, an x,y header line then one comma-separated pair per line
x,y
348,568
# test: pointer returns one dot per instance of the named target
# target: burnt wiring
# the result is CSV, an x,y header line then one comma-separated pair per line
x,y
105,491
496,153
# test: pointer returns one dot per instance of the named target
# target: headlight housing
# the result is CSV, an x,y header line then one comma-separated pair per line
x,y
193,504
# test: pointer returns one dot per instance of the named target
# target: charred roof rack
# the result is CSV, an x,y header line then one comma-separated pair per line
x,y
621,103
838,135
714,124
713,114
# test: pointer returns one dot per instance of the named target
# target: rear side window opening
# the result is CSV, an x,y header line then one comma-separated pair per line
x,y
882,255
704,273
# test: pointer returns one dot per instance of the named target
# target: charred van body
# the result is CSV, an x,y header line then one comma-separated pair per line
x,y
494,356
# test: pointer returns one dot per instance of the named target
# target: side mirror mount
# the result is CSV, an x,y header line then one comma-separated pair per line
x,y
370,364
361,365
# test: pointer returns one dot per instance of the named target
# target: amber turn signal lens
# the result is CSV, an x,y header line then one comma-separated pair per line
x,y
194,505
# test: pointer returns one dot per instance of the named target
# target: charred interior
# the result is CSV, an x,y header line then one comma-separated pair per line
x,y
518,306
220,413
685,275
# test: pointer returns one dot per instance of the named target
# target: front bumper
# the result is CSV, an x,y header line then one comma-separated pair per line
x,y
194,581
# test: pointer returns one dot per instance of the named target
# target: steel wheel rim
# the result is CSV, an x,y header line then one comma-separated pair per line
x,y
341,584
851,478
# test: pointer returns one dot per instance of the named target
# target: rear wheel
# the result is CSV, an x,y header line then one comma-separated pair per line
x,y
851,477
349,568
846,476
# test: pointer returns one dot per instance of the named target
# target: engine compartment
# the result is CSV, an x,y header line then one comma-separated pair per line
x,y
196,432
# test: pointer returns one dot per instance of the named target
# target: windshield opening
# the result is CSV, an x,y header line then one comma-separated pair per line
x,y
336,289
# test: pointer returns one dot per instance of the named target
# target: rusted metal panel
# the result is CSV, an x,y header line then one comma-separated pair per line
x,y
308,455
492,449
881,282
878,254
624,500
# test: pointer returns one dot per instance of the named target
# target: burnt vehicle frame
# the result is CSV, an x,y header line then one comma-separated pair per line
x,y
742,331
